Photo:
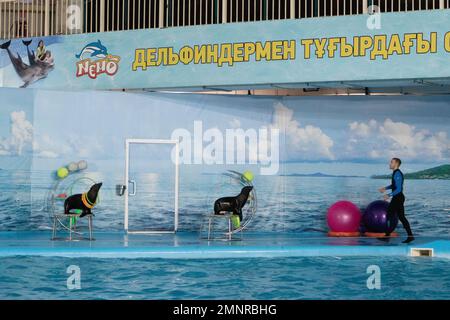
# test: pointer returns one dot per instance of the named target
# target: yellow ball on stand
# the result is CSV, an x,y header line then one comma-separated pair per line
x,y
62,172
248,175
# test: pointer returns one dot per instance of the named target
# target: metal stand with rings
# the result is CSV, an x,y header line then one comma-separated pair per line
x,y
212,217
61,189
248,211
71,228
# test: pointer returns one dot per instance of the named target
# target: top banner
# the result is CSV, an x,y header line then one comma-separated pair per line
x,y
390,46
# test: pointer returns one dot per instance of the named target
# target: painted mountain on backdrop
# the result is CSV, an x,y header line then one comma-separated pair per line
x,y
319,175
439,172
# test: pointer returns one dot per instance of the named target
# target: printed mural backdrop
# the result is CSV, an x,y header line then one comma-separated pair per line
x,y
329,149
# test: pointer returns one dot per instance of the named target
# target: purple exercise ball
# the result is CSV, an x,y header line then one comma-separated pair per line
x,y
375,217
344,216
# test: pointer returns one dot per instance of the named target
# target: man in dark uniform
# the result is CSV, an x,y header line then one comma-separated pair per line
x,y
396,206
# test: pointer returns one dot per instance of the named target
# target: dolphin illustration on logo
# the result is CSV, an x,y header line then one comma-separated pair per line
x,y
95,60
95,49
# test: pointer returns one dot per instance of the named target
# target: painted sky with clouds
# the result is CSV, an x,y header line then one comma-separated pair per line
x,y
373,128
93,125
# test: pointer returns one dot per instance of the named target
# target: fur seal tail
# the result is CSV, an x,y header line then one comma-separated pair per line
x,y
5,45
27,42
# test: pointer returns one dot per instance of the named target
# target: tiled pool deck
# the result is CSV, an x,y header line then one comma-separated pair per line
x,y
189,245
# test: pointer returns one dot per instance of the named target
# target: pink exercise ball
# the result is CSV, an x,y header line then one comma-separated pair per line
x,y
344,216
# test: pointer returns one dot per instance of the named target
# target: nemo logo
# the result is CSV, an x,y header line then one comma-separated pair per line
x,y
95,60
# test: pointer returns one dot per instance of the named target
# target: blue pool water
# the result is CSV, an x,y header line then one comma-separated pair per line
x,y
287,204
263,278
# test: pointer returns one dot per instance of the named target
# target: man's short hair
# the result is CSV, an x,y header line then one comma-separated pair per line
x,y
398,161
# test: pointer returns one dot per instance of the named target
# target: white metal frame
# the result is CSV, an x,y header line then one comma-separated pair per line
x,y
128,142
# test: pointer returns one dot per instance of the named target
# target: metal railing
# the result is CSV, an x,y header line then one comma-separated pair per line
x,y
35,18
